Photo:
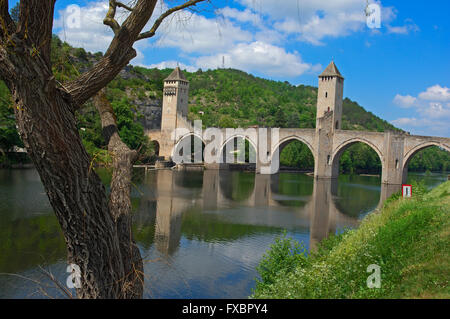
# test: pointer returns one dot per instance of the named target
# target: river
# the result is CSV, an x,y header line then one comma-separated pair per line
x,y
201,234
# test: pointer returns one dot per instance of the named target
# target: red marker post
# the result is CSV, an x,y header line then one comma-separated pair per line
x,y
406,191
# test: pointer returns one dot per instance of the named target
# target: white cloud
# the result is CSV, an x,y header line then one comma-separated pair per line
x,y
409,26
318,27
436,110
432,113
436,93
196,33
242,16
170,65
423,126
91,34
312,21
404,101
259,57
407,121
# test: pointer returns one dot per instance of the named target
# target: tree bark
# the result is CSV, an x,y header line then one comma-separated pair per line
x,y
119,199
46,124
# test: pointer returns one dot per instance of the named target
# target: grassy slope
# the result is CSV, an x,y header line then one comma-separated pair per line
x,y
409,240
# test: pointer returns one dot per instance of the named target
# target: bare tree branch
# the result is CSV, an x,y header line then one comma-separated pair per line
x,y
158,21
110,17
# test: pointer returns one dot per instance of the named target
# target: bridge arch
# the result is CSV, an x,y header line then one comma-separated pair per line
x,y
341,148
287,140
416,149
231,139
276,151
182,143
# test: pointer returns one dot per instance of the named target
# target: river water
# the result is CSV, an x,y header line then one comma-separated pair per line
x,y
201,234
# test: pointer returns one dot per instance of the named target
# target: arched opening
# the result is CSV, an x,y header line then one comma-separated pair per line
x,y
359,167
296,155
239,150
190,149
429,163
357,158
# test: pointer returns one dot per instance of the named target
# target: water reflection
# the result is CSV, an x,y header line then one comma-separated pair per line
x,y
186,203
204,232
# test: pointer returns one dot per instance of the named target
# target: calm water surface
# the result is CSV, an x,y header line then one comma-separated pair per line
x,y
201,234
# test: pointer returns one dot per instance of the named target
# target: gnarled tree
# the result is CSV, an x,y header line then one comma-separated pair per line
x,y
97,229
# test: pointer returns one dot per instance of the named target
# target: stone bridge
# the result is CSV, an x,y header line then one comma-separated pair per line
x,y
327,142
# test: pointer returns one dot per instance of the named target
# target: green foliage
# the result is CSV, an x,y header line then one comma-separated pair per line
x,y
8,132
297,154
360,158
284,256
131,131
408,240
433,159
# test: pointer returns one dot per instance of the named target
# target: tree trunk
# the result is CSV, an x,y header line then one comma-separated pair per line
x,y
119,199
46,123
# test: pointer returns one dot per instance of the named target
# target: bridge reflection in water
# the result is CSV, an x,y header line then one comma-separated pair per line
x,y
255,202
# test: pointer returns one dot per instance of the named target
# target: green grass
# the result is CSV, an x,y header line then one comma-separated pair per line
x,y
409,239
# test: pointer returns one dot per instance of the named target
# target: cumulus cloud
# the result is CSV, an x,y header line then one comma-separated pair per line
x,y
436,93
242,16
170,65
432,111
258,56
196,33
251,39
404,101
90,33
312,21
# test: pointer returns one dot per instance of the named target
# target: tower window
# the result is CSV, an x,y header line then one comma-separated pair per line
x,y
396,164
169,91
326,94
337,125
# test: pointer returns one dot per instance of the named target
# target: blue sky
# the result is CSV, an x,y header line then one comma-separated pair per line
x,y
399,72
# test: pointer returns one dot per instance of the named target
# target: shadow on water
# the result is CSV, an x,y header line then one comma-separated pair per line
x,y
201,233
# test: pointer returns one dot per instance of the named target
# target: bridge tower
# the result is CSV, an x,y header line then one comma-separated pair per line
x,y
328,118
174,109
329,96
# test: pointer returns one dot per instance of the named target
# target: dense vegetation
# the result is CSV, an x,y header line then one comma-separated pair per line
x,y
408,240
224,98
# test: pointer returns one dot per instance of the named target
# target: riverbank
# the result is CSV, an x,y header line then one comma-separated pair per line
x,y
409,240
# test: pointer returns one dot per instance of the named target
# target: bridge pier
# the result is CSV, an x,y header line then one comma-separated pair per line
x,y
393,159
324,138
